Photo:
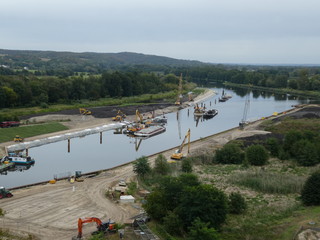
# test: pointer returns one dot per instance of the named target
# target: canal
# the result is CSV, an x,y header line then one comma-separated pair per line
x,y
87,154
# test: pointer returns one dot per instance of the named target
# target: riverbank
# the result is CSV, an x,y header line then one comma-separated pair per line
x,y
101,116
53,209
307,94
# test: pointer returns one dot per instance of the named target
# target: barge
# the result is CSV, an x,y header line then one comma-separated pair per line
x,y
150,131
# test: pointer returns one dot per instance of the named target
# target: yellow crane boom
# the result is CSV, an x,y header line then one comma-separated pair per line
x,y
178,154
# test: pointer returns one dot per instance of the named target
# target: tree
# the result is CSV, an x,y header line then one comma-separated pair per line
x,y
273,146
257,155
161,165
186,165
305,153
230,153
237,203
172,223
200,230
310,194
141,166
205,202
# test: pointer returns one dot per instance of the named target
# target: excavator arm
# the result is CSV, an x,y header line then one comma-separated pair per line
x,y
178,154
87,220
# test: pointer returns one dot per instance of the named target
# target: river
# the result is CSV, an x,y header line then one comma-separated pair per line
x,y
87,154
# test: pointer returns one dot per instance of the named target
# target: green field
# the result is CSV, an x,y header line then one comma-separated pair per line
x,y
7,134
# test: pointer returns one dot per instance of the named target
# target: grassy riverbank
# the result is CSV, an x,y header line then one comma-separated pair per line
x,y
311,94
7,134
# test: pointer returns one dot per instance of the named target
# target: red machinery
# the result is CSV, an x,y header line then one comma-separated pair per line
x,y
102,227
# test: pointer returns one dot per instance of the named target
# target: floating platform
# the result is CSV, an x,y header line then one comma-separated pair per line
x,y
150,131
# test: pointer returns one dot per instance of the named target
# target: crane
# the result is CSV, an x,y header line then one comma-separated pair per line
x,y
139,117
102,227
178,154
179,99
243,122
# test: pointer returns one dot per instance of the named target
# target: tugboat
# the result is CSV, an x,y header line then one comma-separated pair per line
x,y
210,113
18,159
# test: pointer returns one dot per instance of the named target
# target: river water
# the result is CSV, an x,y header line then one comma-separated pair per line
x,y
87,154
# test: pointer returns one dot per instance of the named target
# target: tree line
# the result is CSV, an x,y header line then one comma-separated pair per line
x,y
30,90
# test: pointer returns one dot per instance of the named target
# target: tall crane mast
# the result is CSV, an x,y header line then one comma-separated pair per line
x,y
179,98
245,111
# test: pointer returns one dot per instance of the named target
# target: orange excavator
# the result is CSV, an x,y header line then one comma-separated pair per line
x,y
102,227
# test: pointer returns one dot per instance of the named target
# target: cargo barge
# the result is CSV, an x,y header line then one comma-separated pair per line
x,y
150,131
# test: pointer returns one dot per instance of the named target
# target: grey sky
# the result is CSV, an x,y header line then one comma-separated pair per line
x,y
229,31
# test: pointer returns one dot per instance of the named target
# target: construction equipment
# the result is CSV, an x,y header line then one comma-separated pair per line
x,y
178,154
244,121
101,227
4,193
139,117
77,177
179,99
119,117
84,111
17,138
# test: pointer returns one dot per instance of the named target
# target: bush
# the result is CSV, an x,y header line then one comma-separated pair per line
x,y
161,165
305,153
273,146
237,203
229,154
200,230
257,155
310,194
186,165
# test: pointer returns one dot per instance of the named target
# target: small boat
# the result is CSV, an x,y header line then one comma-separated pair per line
x,y
150,131
18,159
210,113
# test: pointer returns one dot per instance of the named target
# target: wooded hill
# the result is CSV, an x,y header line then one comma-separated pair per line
x,y
48,62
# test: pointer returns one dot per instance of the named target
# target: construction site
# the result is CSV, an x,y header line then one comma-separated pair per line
x,y
86,204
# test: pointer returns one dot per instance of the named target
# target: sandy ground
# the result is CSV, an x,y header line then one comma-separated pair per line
x,y
51,211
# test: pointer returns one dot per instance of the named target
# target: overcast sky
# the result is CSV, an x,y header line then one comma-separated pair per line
x,y
225,31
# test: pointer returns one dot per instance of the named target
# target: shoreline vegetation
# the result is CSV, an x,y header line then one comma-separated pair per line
x,y
312,94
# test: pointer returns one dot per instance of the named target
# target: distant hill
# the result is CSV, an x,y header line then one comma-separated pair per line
x,y
46,61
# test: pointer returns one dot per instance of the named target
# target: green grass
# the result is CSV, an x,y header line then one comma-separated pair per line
x,y
7,134
294,124
267,182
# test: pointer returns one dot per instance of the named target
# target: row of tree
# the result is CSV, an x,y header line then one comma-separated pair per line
x,y
32,90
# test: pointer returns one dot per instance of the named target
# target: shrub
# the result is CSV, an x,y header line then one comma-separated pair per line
x,y
237,203
186,165
200,230
161,165
229,154
257,155
172,223
310,194
273,146
305,153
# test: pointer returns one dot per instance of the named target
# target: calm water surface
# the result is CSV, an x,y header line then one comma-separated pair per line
x,y
87,154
